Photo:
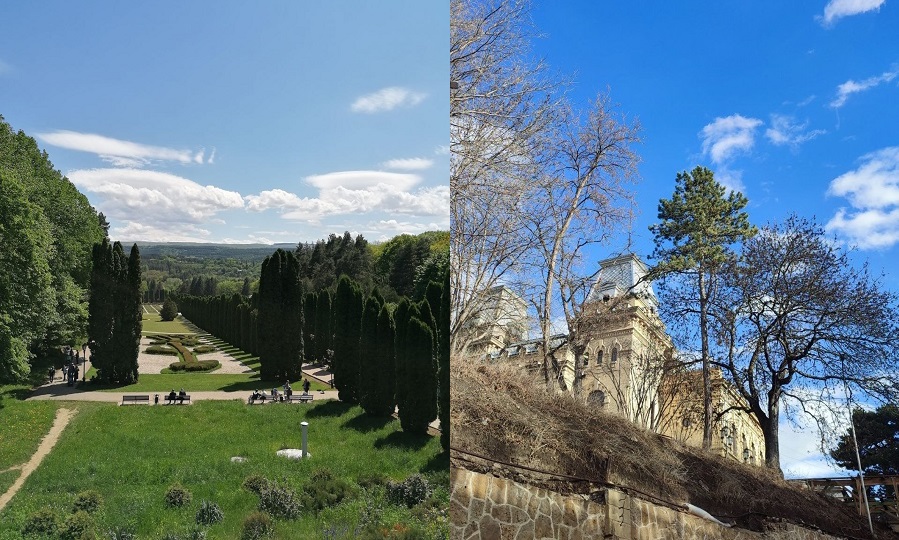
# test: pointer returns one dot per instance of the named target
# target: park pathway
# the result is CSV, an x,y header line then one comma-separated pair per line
x,y
59,423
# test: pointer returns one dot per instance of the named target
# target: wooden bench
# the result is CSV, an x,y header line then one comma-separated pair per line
x,y
265,398
302,398
136,399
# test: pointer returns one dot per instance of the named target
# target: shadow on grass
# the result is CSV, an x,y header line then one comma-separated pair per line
x,y
365,423
246,386
437,464
330,408
15,393
403,440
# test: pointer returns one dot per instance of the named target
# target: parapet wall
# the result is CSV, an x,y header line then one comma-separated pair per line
x,y
487,507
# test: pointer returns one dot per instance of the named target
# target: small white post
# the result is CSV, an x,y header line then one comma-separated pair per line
x,y
305,427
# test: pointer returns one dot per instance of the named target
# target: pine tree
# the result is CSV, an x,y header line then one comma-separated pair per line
x,y
696,228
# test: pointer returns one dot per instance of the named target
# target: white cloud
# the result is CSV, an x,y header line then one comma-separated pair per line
x,y
442,150
837,9
725,137
730,179
853,87
164,232
391,227
873,194
387,99
785,130
117,152
354,192
362,179
154,197
409,164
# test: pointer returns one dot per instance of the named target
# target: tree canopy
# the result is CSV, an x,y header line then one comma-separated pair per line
x,y
877,433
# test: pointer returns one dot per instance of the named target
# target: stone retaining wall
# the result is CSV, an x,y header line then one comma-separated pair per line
x,y
487,507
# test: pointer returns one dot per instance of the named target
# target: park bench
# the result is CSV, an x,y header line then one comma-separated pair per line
x,y
302,398
177,399
265,398
136,399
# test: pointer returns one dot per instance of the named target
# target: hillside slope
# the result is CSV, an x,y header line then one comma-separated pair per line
x,y
499,413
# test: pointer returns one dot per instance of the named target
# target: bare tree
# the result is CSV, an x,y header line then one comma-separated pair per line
x,y
501,103
581,200
796,320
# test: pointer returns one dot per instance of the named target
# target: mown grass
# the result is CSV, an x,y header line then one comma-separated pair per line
x,y
153,324
131,455
201,382
22,424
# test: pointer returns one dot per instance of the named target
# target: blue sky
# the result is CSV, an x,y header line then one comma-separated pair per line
x,y
232,122
794,103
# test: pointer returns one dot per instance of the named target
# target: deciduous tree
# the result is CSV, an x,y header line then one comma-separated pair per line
x,y
797,323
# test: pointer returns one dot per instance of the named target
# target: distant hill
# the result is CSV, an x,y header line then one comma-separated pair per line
x,y
209,251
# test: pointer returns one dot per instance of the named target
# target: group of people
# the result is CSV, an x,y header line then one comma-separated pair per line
x,y
279,396
70,368
179,397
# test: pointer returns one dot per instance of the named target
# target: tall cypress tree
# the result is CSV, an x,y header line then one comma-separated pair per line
x,y
420,405
443,364
132,318
370,361
310,304
280,318
324,334
347,327
100,308
401,324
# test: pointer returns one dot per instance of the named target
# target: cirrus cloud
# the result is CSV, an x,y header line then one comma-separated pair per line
x,y
853,87
118,152
409,164
387,99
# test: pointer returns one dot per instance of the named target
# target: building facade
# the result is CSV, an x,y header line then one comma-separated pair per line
x,y
628,366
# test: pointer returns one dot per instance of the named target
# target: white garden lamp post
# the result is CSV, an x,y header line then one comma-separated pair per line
x,y
305,429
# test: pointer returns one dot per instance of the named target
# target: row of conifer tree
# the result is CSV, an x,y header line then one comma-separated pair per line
x,y
384,356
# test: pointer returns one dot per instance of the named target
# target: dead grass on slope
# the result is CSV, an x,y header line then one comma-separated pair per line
x,y
502,413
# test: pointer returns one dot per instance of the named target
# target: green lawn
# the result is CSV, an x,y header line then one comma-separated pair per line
x,y
131,455
153,324
202,382
22,426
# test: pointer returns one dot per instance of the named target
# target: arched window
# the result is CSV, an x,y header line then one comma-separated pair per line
x,y
613,363
598,398
599,357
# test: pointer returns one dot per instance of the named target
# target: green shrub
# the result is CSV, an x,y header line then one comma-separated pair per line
x,y
371,480
161,349
189,341
411,491
256,483
201,365
324,490
41,524
169,310
193,534
78,526
177,496
88,501
203,349
257,525
209,513
280,501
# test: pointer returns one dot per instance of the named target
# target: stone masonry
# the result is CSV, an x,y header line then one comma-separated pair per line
x,y
487,507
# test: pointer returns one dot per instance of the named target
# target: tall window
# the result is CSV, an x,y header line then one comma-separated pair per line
x,y
613,363
599,357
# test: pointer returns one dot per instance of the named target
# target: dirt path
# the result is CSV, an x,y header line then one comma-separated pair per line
x,y
59,423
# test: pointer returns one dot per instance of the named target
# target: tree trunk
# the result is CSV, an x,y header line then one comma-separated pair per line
x,y
772,441
706,375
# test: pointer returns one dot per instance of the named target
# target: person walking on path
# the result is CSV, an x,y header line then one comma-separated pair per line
x,y
305,385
